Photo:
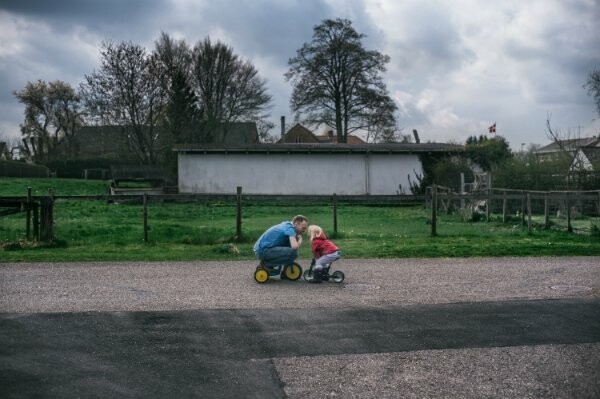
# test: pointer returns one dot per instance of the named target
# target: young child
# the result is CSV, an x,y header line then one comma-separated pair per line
x,y
324,251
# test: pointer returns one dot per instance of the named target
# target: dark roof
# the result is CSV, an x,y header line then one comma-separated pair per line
x,y
592,154
298,131
236,133
351,139
100,141
391,148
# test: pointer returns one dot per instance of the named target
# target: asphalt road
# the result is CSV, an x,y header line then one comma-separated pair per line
x,y
414,328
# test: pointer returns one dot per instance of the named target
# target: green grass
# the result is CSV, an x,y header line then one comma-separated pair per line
x,y
96,230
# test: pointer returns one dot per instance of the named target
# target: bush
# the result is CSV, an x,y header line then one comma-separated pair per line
x,y
530,173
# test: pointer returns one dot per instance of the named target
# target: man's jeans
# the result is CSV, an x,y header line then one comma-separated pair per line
x,y
276,256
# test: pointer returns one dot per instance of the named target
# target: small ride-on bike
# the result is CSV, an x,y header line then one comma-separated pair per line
x,y
337,276
291,271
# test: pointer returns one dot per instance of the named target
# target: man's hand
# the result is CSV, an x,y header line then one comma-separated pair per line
x,y
295,241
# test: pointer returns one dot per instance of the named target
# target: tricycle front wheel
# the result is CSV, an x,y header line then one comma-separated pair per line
x,y
261,275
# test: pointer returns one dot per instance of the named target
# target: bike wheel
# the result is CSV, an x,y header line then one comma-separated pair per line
x,y
338,276
292,271
261,275
308,276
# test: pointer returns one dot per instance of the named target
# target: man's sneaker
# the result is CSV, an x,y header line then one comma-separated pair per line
x,y
261,265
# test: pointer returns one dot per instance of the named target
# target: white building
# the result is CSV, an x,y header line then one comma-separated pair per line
x,y
320,169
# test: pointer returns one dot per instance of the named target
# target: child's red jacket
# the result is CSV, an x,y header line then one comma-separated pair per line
x,y
322,246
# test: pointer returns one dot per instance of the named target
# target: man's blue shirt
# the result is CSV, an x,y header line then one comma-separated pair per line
x,y
276,236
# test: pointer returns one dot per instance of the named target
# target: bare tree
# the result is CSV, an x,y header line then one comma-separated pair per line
x,y
564,140
228,89
337,82
264,127
52,115
125,92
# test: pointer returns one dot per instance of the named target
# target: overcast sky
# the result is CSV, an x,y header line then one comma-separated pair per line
x,y
457,66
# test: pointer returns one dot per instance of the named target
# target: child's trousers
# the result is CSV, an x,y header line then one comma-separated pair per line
x,y
326,260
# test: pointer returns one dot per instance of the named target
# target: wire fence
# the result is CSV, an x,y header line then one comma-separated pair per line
x,y
574,211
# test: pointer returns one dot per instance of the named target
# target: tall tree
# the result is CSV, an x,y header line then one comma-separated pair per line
x,y
593,87
381,125
337,82
182,116
52,114
228,89
125,92
182,113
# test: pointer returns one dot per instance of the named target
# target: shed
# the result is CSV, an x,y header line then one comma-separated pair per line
x,y
319,169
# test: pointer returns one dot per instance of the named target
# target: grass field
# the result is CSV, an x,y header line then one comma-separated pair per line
x,y
99,231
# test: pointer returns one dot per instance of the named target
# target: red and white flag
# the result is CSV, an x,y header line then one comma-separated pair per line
x,y
492,129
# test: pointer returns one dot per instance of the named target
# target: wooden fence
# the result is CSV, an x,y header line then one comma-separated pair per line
x,y
39,212
509,203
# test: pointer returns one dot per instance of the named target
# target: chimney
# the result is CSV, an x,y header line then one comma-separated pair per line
x,y
282,127
416,136
330,135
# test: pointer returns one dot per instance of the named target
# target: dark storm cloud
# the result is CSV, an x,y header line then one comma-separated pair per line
x,y
91,13
455,65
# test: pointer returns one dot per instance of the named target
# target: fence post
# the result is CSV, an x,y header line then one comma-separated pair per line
x,y
488,203
522,208
529,212
569,227
504,206
238,213
36,222
47,218
28,215
145,203
433,210
334,199
546,211
462,190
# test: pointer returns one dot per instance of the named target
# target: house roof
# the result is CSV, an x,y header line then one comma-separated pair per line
x,y
569,145
307,137
237,133
592,154
351,139
330,148
298,131
99,141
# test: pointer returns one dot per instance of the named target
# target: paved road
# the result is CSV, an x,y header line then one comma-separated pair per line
x,y
509,327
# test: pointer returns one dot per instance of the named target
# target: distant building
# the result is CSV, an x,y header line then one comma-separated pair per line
x,y
236,133
586,159
107,142
110,142
300,168
4,151
570,146
301,135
